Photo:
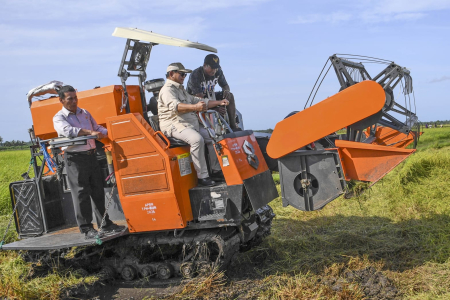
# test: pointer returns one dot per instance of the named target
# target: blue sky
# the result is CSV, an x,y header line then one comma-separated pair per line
x,y
271,51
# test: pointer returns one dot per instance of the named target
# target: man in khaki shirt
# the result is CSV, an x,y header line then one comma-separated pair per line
x,y
177,118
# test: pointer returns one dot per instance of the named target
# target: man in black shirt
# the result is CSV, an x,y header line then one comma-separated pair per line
x,y
203,80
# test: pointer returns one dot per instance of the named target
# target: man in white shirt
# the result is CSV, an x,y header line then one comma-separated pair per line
x,y
83,171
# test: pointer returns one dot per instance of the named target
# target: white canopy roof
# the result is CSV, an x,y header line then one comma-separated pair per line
x,y
148,36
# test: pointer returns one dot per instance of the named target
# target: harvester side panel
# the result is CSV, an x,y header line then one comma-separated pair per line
x,y
334,113
101,103
234,161
220,202
261,189
310,179
152,190
242,162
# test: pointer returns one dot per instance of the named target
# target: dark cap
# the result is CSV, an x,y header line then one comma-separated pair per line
x,y
213,61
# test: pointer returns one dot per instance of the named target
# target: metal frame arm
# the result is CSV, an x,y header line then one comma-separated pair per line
x,y
388,78
342,67
142,75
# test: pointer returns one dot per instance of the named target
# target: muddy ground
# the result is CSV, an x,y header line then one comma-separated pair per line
x,y
161,290
241,282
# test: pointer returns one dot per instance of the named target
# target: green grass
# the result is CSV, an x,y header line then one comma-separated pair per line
x,y
434,138
17,280
12,165
400,227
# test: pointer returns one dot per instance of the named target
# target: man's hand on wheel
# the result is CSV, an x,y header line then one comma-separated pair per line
x,y
221,109
200,106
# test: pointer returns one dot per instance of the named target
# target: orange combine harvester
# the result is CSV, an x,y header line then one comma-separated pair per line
x,y
173,226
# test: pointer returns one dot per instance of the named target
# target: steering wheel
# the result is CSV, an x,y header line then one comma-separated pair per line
x,y
214,123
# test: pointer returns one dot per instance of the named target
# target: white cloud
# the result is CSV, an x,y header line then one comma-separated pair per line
x,y
84,45
233,45
56,10
50,29
404,6
373,11
196,6
443,78
38,35
97,10
330,18
13,34
409,16
371,17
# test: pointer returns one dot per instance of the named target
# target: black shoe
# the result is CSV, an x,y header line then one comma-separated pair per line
x,y
236,129
112,228
91,234
218,175
206,182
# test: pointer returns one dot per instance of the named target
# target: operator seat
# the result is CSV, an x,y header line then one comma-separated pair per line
x,y
154,86
153,106
154,123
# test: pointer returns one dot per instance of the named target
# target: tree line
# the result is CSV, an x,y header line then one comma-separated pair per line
x,y
14,144
438,122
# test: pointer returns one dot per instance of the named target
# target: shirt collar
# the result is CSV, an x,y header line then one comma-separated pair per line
x,y
67,112
176,84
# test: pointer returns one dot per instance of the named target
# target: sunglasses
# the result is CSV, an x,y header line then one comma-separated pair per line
x,y
182,74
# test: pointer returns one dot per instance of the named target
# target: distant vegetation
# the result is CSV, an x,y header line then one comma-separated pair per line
x,y
438,122
270,130
13,145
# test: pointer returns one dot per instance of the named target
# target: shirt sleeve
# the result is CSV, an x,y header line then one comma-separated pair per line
x,y
97,127
195,100
194,85
170,100
63,128
221,79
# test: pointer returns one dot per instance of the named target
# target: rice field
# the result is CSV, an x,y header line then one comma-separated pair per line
x,y
390,242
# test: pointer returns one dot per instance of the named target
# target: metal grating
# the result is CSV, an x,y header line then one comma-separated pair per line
x,y
28,215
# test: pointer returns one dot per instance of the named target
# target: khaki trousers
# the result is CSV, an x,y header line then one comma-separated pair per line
x,y
197,142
